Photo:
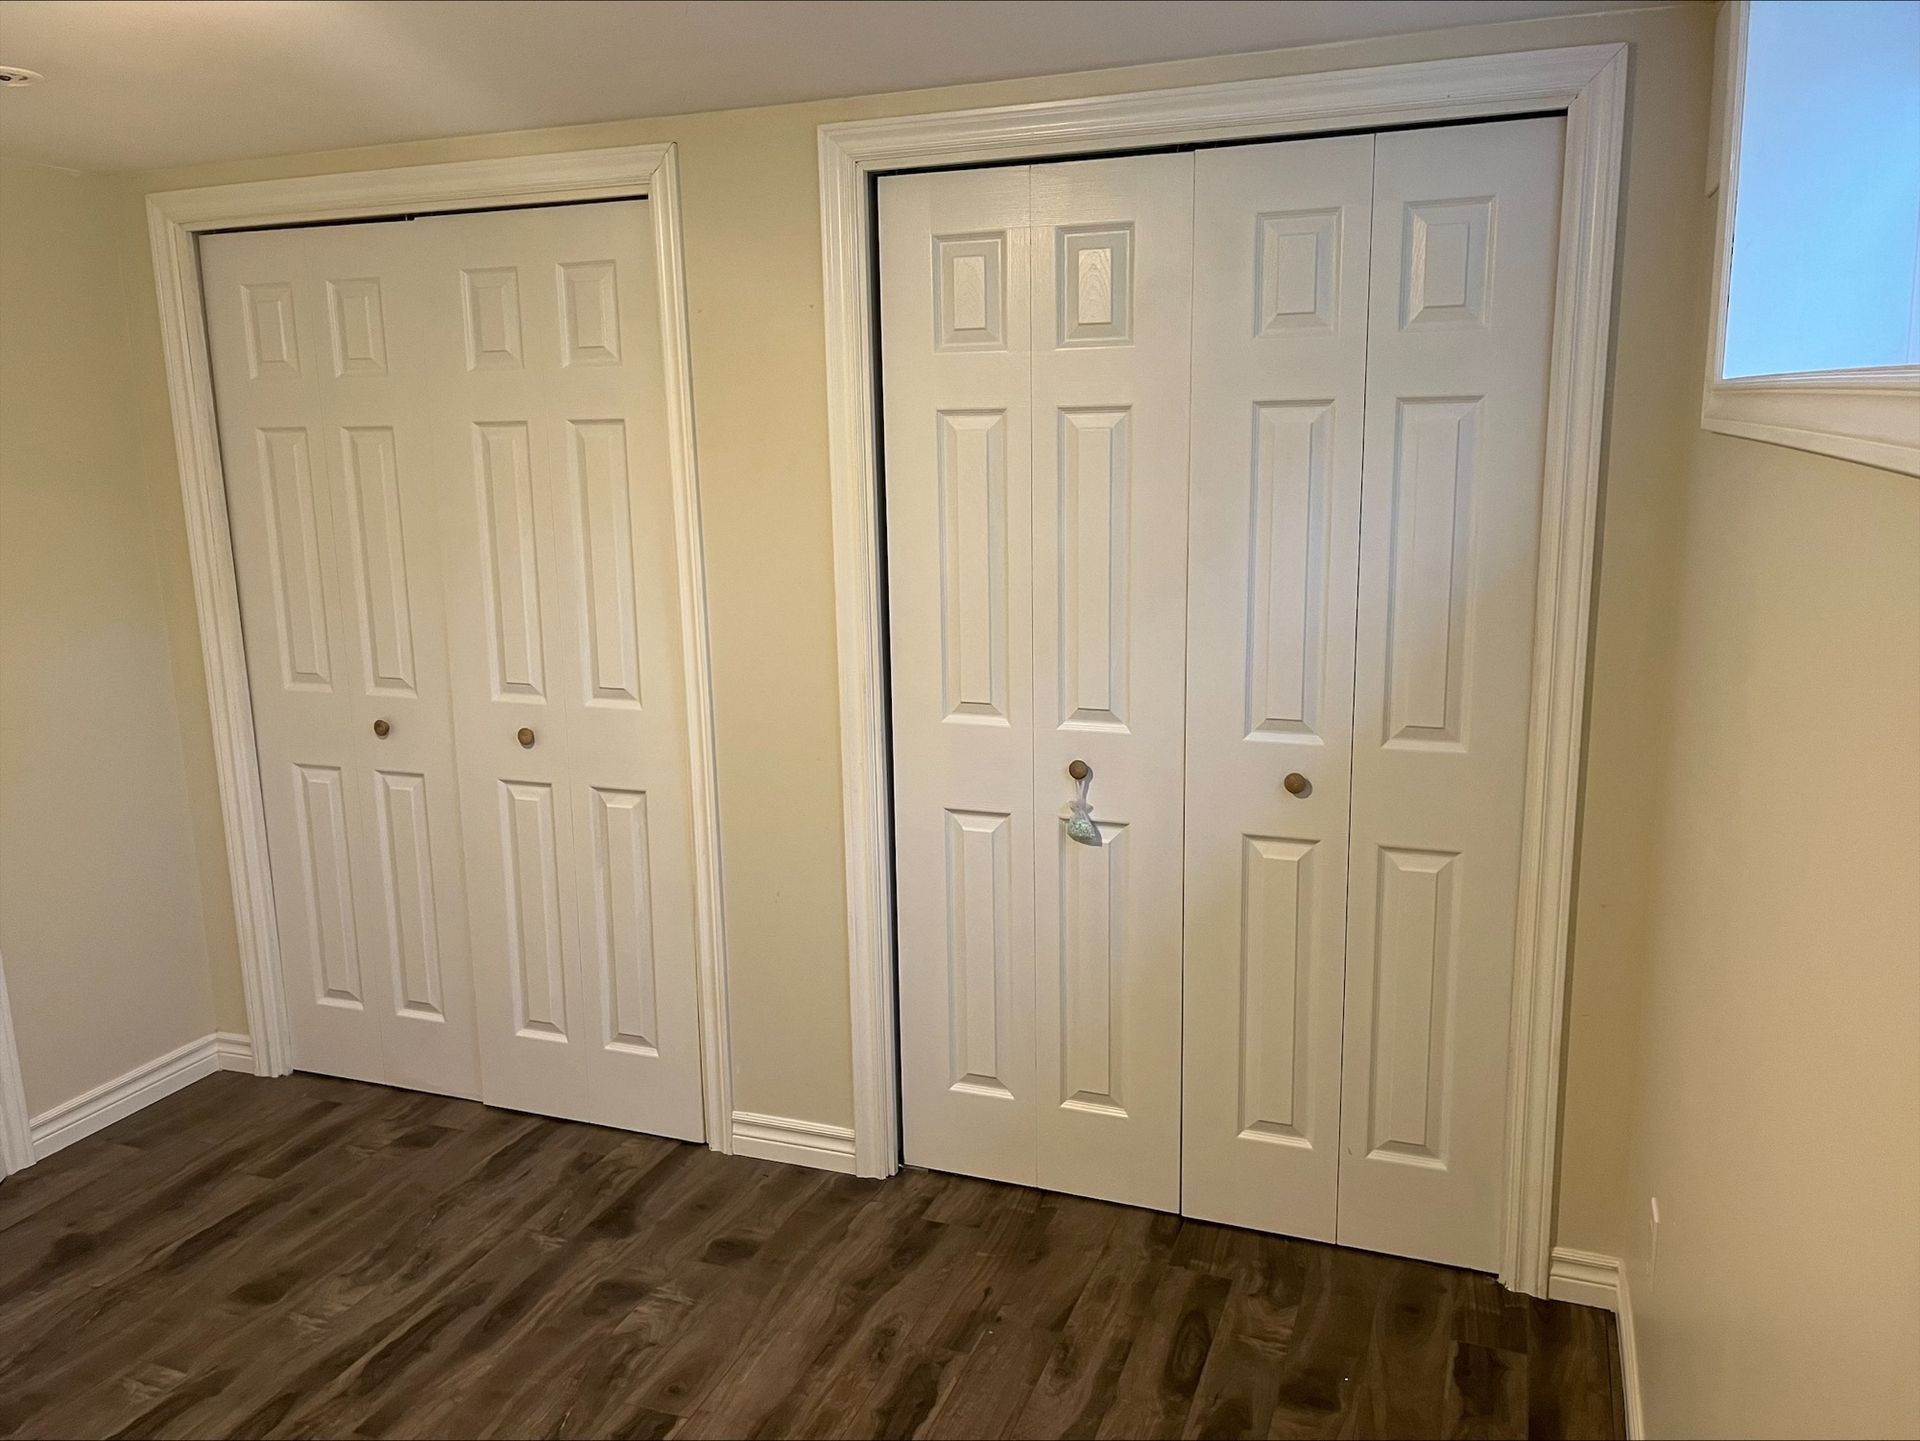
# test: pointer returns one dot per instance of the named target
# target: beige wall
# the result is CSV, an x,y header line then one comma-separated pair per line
x,y
1778,1112
100,919
753,258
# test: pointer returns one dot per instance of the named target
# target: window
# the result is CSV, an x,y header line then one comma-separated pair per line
x,y
1818,275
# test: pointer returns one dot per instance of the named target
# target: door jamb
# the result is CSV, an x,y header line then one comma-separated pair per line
x,y
1589,83
175,220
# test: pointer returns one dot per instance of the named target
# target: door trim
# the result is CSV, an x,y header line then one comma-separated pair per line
x,y
1589,84
175,220
16,1133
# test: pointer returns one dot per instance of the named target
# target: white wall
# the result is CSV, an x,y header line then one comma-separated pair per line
x,y
100,920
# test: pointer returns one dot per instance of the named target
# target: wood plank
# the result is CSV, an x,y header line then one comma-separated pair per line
x,y
310,1256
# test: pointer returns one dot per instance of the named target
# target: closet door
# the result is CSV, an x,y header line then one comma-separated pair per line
x,y
958,376
1279,374
1464,235
564,626
1112,320
1035,340
320,375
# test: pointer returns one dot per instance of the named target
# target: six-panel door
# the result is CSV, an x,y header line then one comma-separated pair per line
x,y
563,622
1035,326
1354,561
445,452
317,342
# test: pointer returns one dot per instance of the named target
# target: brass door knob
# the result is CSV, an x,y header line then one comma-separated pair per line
x,y
381,729
1296,784
525,736
1079,770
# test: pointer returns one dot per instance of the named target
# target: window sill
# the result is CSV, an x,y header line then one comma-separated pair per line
x,y
1871,417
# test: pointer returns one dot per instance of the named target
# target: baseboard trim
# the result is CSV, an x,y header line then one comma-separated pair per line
x,y
1587,1278
798,1143
234,1050
119,1098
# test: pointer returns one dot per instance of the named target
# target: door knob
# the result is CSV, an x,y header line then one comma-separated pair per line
x,y
1080,826
1297,784
381,729
525,736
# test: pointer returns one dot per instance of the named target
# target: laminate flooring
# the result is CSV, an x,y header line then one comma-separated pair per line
x,y
313,1257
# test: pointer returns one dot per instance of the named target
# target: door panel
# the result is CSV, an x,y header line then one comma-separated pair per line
x,y
1112,247
955,319
321,380
1281,239
1464,232
565,631
452,515
1035,327
1291,640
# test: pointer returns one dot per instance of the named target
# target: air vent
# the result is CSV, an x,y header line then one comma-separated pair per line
x,y
13,77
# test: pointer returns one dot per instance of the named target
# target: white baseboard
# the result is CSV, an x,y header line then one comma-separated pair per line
x,y
234,1050
1588,1278
1585,1278
119,1098
799,1143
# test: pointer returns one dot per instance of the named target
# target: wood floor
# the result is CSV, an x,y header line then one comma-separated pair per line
x,y
308,1257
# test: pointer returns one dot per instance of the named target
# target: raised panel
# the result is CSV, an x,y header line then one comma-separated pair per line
x,y
293,556
589,313
358,326
511,568
1287,530
623,917
1433,473
1095,479
599,455
492,302
380,556
273,341
970,292
979,861
1276,950
1445,262
406,870
1094,284
1414,917
1297,257
535,961
1092,977
973,565
320,822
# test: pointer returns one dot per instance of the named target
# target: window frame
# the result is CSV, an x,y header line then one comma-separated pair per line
x,y
1871,416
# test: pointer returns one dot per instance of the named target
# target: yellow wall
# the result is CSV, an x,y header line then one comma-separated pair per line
x,y
100,918
753,259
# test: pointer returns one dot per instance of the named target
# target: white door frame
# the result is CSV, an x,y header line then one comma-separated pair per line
x,y
1588,83
175,219
16,1131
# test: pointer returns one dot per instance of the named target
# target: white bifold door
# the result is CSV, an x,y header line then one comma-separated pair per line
x,y
445,456
1219,472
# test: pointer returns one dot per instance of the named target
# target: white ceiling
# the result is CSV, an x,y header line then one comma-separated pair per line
x,y
138,84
